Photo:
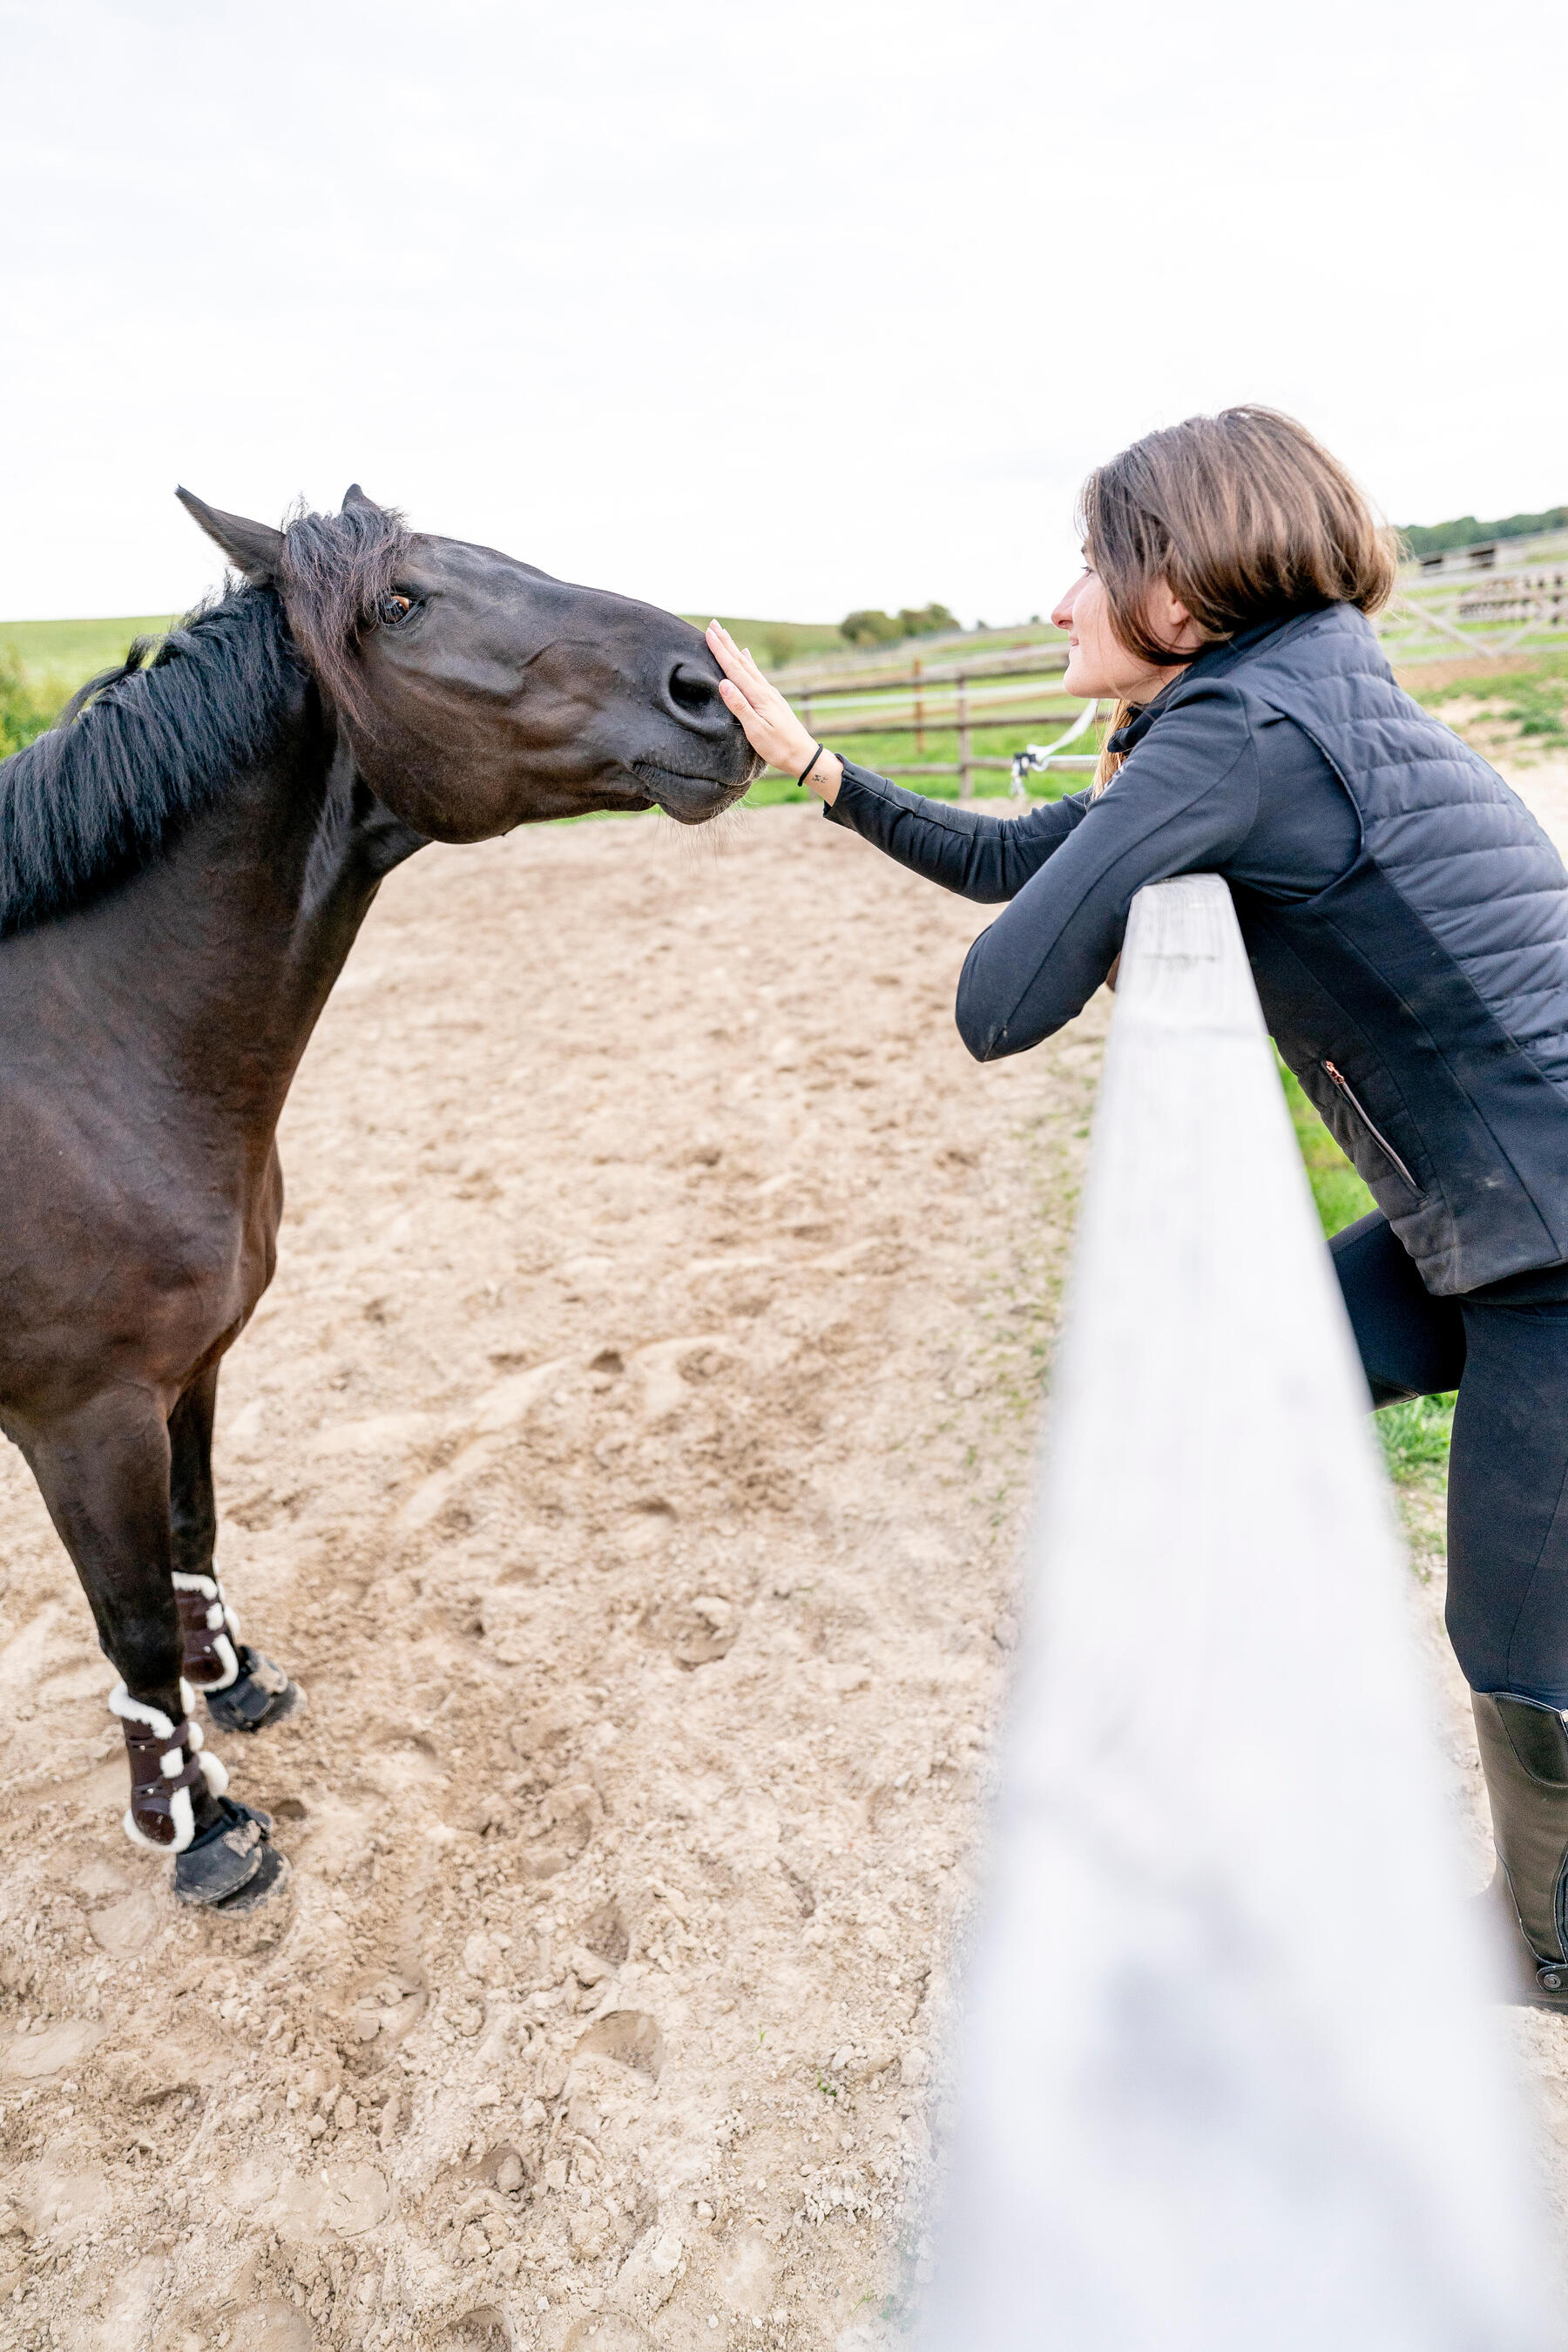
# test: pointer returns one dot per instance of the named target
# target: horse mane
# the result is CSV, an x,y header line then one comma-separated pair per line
x,y
141,750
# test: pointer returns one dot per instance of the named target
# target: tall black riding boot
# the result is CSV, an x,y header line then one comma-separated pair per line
x,y
1524,1755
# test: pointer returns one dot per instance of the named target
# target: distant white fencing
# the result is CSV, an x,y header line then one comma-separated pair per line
x,y
1226,2081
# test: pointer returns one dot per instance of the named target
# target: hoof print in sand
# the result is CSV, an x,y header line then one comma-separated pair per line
x,y
605,1934
610,2331
483,2330
339,2201
701,1631
269,2326
123,1913
673,1368
143,2074
504,2169
385,2011
567,1818
746,2274
35,2057
628,2036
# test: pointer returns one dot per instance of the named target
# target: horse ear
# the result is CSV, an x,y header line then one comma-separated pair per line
x,y
354,497
253,547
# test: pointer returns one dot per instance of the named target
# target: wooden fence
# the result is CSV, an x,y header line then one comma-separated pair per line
x,y
1225,2080
1534,600
1487,615
926,696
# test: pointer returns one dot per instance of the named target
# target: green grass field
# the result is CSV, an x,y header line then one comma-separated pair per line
x,y
776,643
61,655
1529,702
1415,1435
42,663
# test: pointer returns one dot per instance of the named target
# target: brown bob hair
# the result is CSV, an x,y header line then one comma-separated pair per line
x,y
1245,516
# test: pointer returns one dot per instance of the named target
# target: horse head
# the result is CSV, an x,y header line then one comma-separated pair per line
x,y
476,692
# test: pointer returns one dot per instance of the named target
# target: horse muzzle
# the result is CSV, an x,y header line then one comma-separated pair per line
x,y
689,800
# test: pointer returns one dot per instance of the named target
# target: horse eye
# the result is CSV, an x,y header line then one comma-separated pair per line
x,y
393,607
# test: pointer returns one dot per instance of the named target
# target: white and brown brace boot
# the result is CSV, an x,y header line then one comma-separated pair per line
x,y
167,1759
244,1690
210,1632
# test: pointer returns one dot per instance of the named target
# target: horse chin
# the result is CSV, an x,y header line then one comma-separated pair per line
x,y
689,800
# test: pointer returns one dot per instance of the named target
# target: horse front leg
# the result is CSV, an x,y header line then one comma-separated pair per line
x,y
104,1474
242,1689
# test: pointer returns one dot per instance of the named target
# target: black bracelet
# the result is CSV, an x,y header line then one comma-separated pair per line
x,y
809,766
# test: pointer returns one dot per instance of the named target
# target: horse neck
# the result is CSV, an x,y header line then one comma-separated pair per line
x,y
233,940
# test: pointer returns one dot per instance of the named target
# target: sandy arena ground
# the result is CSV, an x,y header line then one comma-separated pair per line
x,y
630,1460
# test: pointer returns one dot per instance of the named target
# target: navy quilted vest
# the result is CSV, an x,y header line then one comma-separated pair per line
x,y
1421,999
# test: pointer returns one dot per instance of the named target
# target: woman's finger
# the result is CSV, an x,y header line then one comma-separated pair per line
x,y
749,694
741,653
742,666
737,699
729,656
760,728
742,673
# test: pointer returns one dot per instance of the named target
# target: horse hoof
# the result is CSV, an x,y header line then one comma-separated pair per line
x,y
226,1858
272,1873
263,1694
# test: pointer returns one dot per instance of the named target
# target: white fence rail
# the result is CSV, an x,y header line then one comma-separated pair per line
x,y
1226,2080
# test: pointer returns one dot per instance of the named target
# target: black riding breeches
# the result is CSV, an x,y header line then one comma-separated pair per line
x,y
1505,1349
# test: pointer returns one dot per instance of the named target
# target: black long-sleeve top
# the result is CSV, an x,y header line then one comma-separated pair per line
x,y
1218,783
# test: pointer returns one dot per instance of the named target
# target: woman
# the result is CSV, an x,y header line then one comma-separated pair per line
x,y
1407,924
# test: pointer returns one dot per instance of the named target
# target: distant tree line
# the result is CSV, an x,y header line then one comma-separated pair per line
x,y
1433,537
872,629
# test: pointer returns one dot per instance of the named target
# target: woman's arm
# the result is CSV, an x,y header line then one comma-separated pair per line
x,y
983,857
1186,800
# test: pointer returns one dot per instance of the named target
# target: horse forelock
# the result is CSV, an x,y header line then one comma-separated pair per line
x,y
332,574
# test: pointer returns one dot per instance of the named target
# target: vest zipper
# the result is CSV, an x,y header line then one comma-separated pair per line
x,y
1376,1133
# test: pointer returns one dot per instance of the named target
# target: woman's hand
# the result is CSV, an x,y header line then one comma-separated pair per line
x,y
770,726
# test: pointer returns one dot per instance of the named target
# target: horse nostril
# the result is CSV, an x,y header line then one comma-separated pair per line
x,y
693,692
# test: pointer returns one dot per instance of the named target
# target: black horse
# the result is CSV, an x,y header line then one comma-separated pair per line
x,y
184,862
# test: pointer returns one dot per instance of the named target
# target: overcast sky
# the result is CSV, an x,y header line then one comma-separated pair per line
x,y
774,309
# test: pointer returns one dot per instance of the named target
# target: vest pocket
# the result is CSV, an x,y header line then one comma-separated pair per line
x,y
1348,1094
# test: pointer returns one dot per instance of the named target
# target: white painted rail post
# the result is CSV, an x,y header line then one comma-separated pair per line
x,y
1225,2080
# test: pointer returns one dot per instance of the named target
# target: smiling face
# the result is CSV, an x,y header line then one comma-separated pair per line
x,y
496,695
1098,662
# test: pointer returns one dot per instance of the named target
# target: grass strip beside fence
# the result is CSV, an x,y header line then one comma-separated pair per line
x,y
1415,1433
